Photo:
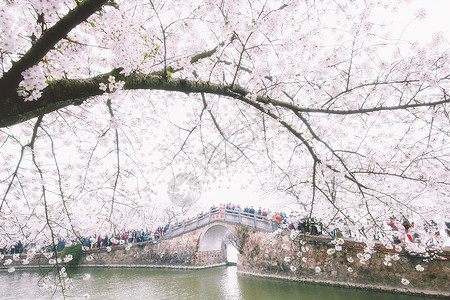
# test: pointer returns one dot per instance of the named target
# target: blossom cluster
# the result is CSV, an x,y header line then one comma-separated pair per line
x,y
112,86
34,81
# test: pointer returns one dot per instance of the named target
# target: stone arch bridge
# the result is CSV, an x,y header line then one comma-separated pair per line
x,y
214,233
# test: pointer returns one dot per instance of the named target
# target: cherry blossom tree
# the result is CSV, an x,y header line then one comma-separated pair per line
x,y
319,100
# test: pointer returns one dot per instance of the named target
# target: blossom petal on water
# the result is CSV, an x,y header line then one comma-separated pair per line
x,y
419,268
68,258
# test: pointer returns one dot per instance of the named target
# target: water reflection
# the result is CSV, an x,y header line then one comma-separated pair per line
x,y
218,283
230,284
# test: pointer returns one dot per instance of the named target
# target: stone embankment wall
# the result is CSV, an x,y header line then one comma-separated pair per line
x,y
179,252
316,259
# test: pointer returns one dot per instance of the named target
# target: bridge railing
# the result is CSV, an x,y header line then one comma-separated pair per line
x,y
223,215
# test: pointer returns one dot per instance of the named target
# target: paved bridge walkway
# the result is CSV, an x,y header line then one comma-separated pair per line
x,y
233,217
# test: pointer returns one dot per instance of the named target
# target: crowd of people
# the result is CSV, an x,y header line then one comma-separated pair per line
x,y
97,241
250,210
16,248
404,231
304,225
127,237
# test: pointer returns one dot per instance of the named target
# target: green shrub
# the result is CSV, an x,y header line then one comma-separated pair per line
x,y
75,251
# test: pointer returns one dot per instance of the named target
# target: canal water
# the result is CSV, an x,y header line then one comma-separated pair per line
x,y
216,283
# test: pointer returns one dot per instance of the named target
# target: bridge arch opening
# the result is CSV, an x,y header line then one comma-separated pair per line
x,y
219,238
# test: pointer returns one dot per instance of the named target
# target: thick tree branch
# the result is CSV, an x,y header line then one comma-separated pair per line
x,y
11,79
65,92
